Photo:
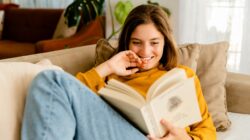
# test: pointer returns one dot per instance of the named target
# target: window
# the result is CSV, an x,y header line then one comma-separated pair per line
x,y
227,18
209,21
43,3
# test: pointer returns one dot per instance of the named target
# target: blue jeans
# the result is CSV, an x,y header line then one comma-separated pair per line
x,y
59,107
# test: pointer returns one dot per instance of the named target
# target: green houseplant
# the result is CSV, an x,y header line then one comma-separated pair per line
x,y
88,10
164,8
121,11
83,10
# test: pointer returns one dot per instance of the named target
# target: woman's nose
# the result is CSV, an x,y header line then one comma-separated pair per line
x,y
145,50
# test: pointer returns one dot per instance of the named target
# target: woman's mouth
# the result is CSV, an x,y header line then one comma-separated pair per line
x,y
146,59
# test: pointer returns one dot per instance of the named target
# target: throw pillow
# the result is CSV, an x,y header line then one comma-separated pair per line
x,y
62,29
15,78
1,23
104,51
212,73
189,55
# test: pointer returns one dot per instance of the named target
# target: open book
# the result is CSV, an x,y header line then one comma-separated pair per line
x,y
172,97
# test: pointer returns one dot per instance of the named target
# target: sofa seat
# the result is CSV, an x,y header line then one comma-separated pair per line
x,y
239,129
21,48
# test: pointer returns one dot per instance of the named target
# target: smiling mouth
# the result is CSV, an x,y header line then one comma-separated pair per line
x,y
146,58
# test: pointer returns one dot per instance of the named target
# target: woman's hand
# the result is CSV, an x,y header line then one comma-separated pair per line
x,y
173,133
122,64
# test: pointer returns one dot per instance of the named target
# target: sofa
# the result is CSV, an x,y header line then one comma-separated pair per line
x,y
73,60
28,31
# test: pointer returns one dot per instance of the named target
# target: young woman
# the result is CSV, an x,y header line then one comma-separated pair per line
x,y
59,107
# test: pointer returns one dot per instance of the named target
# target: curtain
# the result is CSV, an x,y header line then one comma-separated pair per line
x,y
207,21
43,3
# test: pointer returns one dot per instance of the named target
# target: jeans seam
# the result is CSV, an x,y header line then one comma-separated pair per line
x,y
50,110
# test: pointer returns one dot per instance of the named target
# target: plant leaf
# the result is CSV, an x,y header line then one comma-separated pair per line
x,y
164,8
87,10
122,10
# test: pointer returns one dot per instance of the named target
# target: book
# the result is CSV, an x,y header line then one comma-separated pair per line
x,y
171,97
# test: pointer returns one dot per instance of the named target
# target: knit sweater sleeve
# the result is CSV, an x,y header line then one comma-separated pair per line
x,y
91,79
203,130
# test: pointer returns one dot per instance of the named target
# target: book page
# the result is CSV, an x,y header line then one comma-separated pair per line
x,y
178,105
127,105
166,81
125,89
115,97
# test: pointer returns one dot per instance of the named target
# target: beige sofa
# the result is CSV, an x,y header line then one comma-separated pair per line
x,y
83,58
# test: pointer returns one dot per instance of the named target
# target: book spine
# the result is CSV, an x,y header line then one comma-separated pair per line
x,y
149,120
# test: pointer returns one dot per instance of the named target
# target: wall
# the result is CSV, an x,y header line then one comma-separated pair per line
x,y
5,1
172,5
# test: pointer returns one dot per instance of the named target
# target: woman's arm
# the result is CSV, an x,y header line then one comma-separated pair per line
x,y
203,130
121,64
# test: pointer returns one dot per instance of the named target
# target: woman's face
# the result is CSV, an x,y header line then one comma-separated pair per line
x,y
148,43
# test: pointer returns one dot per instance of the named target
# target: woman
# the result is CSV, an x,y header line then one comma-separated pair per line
x,y
60,107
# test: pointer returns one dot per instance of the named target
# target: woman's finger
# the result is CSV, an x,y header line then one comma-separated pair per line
x,y
132,55
169,127
132,71
151,137
133,64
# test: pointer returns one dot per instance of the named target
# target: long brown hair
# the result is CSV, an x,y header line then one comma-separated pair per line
x,y
145,14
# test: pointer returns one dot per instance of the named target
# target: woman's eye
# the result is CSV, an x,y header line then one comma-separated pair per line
x,y
136,43
155,43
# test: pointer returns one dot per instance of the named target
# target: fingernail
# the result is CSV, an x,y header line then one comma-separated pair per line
x,y
162,121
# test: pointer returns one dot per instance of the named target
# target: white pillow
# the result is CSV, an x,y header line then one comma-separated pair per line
x,y
15,78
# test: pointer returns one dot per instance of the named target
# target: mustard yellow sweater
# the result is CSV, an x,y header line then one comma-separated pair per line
x,y
141,82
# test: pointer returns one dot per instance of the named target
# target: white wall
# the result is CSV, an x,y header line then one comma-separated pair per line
x,y
42,3
5,1
172,5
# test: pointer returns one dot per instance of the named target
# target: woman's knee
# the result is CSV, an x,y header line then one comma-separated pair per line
x,y
45,82
58,82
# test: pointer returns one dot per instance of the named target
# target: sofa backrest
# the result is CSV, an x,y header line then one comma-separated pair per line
x,y
72,60
30,25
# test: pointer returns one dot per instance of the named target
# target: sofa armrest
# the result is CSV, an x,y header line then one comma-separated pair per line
x,y
88,34
238,92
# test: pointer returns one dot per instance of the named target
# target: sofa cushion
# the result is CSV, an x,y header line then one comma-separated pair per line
x,y
1,23
87,34
212,73
62,30
239,129
189,55
104,50
15,78
23,25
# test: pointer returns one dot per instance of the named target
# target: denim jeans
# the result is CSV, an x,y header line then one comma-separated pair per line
x,y
59,107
